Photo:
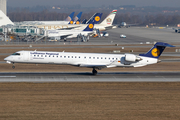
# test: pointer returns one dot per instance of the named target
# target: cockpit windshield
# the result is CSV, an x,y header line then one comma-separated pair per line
x,y
16,54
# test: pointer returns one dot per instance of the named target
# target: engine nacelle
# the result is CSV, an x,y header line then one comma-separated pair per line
x,y
131,58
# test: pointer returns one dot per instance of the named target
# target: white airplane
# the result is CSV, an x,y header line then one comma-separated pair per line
x,y
68,20
4,20
63,34
125,25
104,25
90,60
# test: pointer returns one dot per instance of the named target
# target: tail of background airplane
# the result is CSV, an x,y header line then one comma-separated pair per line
x,y
96,17
84,21
4,20
70,17
110,18
89,27
156,50
77,18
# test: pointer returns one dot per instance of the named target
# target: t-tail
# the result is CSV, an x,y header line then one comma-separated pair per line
x,y
90,26
4,20
77,18
70,17
96,17
156,50
110,18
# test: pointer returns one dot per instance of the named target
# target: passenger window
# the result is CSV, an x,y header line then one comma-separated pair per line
x,y
93,57
97,57
89,57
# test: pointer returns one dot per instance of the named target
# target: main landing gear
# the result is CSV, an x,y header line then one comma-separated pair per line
x,y
13,66
94,71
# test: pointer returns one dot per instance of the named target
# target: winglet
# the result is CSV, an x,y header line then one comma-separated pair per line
x,y
156,50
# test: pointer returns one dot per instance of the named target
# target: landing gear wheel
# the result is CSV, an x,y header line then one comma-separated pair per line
x,y
13,67
94,72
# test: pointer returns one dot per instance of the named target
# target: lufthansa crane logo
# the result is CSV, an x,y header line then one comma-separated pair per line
x,y
77,22
91,26
71,22
97,18
155,52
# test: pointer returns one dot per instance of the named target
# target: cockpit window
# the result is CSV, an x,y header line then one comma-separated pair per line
x,y
16,54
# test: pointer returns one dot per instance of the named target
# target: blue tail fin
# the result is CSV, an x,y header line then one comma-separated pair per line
x,y
96,17
70,17
77,18
90,26
156,50
84,21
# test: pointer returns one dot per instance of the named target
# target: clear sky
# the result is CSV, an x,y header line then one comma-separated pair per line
x,y
90,3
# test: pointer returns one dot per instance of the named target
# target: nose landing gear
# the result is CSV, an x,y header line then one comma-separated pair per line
x,y
94,71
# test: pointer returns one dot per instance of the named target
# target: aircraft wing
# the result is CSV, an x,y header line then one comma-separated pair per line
x,y
93,66
97,66
109,27
65,36
69,28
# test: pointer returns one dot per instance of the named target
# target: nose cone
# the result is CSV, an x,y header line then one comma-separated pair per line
x,y
7,59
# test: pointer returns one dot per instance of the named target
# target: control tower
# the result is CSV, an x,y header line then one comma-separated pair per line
x,y
3,6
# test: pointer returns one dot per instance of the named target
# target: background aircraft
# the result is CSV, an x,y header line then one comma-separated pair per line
x,y
176,30
125,25
63,34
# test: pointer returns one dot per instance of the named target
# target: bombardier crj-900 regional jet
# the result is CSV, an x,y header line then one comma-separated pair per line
x,y
90,60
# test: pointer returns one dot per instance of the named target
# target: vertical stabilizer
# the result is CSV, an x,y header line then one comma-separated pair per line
x,y
70,17
110,18
96,17
77,18
156,50
4,20
90,26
